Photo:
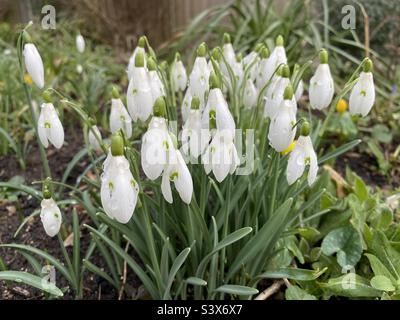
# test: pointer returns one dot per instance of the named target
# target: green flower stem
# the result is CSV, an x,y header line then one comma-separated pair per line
x,y
276,162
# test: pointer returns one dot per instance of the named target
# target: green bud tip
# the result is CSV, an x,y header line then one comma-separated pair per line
x,y
305,129
202,50
139,60
159,108
117,145
151,64
214,81
227,38
47,96
323,56
279,42
115,93
177,56
216,54
285,71
264,53
195,104
288,93
239,57
259,46
367,65
142,41
26,36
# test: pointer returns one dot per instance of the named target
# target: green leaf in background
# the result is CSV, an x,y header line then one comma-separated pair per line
x,y
293,274
382,283
381,133
196,281
379,268
296,293
360,188
238,290
32,280
346,243
351,285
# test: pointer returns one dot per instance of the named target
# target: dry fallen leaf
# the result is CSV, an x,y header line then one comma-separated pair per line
x,y
339,180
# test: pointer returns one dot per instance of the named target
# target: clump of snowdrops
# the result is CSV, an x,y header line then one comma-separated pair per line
x,y
222,171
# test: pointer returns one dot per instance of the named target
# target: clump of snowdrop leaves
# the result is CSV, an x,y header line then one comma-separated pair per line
x,y
119,117
80,43
50,214
33,61
282,129
220,156
178,74
362,96
140,94
49,125
302,155
321,84
119,190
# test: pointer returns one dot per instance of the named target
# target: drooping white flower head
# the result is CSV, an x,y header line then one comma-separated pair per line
x,y
251,61
198,79
119,117
186,103
321,84
281,130
265,69
178,74
80,43
139,48
139,95
194,139
119,190
221,156
156,85
94,136
229,55
299,91
278,55
50,215
250,94
49,126
301,156
34,64
177,172
275,91
362,96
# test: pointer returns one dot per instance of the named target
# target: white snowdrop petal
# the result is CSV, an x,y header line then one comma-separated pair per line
x,y
296,165
166,188
80,43
321,87
51,217
34,64
94,143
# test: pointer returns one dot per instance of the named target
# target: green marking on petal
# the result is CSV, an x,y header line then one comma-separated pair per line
x,y
134,91
363,93
47,125
55,215
165,144
173,175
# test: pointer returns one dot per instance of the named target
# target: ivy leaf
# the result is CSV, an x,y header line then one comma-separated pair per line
x,y
296,293
346,243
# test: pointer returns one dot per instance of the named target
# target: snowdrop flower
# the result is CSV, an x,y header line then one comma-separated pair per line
x,y
278,55
139,48
119,117
229,55
178,74
265,69
177,172
34,63
186,103
79,68
49,124
194,139
362,96
251,60
299,91
221,155
302,155
50,215
250,94
275,92
156,143
281,130
198,79
217,107
80,43
94,134
139,95
119,190
237,68
156,85
321,84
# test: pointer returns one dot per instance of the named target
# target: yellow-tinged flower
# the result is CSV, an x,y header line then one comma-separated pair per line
x,y
28,79
289,149
341,106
